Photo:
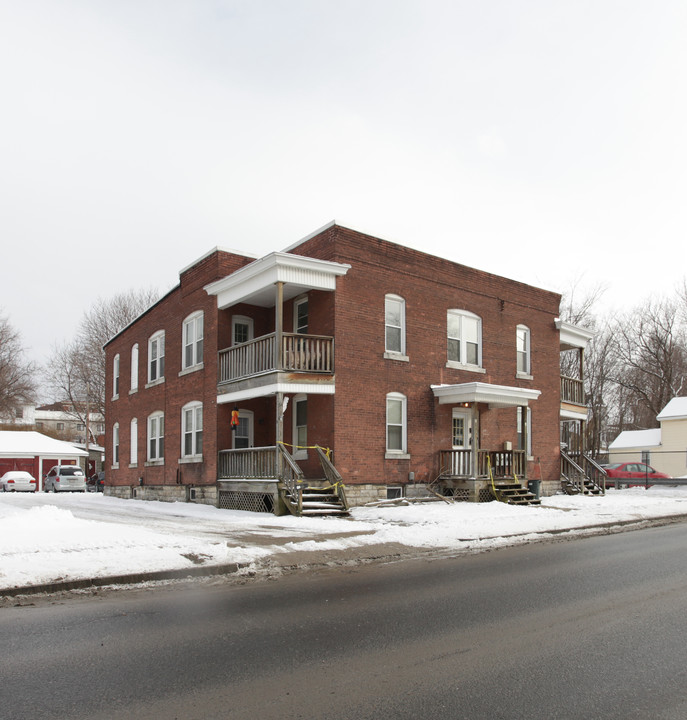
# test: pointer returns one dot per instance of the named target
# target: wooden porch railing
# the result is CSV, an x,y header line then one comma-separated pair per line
x,y
572,390
504,463
263,463
299,353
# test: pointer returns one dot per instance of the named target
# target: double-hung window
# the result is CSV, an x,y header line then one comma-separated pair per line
x,y
394,325
115,377
522,348
192,430
300,427
133,442
242,329
300,316
134,368
464,335
193,341
156,437
396,427
156,357
115,445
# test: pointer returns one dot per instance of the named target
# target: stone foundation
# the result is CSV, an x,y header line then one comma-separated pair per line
x,y
201,494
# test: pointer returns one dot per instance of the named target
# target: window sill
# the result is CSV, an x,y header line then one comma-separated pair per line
x,y
133,391
115,397
192,369
133,465
190,459
154,463
470,368
523,376
396,356
153,383
390,455
114,466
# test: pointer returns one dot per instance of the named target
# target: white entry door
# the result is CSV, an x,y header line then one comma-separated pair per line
x,y
462,438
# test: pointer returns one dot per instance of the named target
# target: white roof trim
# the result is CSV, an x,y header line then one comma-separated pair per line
x,y
273,389
573,336
571,415
254,283
476,392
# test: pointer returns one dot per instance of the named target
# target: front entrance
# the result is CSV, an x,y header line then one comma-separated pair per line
x,y
463,426
243,434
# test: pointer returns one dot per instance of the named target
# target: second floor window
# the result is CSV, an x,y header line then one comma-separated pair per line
x,y
115,376
241,329
522,347
193,340
134,368
156,357
300,316
464,333
395,324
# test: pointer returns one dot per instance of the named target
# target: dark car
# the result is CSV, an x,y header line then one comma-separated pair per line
x,y
96,482
633,471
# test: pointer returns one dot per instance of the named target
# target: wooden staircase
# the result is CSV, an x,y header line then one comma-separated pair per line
x,y
513,493
581,475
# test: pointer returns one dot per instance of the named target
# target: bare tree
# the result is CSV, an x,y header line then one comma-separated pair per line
x,y
76,372
651,348
17,375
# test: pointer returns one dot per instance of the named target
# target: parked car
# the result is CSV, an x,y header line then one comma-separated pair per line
x,y
18,481
633,470
65,478
96,482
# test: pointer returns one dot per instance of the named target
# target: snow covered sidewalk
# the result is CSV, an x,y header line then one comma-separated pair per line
x,y
61,538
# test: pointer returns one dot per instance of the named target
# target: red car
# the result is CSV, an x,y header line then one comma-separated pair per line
x,y
634,470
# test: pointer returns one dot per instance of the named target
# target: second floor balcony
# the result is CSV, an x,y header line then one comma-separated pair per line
x,y
298,353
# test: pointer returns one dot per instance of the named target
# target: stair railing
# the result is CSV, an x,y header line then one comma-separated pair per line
x,y
572,472
595,472
333,476
292,477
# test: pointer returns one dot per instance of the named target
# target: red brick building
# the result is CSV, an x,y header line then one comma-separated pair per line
x,y
408,369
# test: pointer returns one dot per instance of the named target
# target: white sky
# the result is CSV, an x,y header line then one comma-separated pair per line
x,y
543,140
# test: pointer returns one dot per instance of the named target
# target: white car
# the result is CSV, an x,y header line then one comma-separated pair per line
x,y
65,478
18,481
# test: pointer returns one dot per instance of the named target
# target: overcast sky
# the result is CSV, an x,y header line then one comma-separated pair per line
x,y
543,140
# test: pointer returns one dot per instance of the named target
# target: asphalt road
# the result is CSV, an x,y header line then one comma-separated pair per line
x,y
587,628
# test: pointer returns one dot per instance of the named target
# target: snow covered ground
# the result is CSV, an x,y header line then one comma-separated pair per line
x,y
52,538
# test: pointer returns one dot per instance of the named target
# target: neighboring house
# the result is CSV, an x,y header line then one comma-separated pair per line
x,y
35,453
410,370
62,420
664,448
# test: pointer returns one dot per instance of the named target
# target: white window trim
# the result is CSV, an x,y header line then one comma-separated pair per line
x,y
159,457
462,365
192,320
523,374
241,320
115,377
133,386
194,455
298,454
393,454
133,442
156,337
396,354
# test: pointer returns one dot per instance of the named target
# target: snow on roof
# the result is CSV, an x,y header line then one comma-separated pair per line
x,y
676,409
637,439
29,444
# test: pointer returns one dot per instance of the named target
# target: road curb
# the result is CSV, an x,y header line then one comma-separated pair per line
x,y
130,579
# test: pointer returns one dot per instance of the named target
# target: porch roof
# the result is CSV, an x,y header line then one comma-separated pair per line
x,y
254,283
496,396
